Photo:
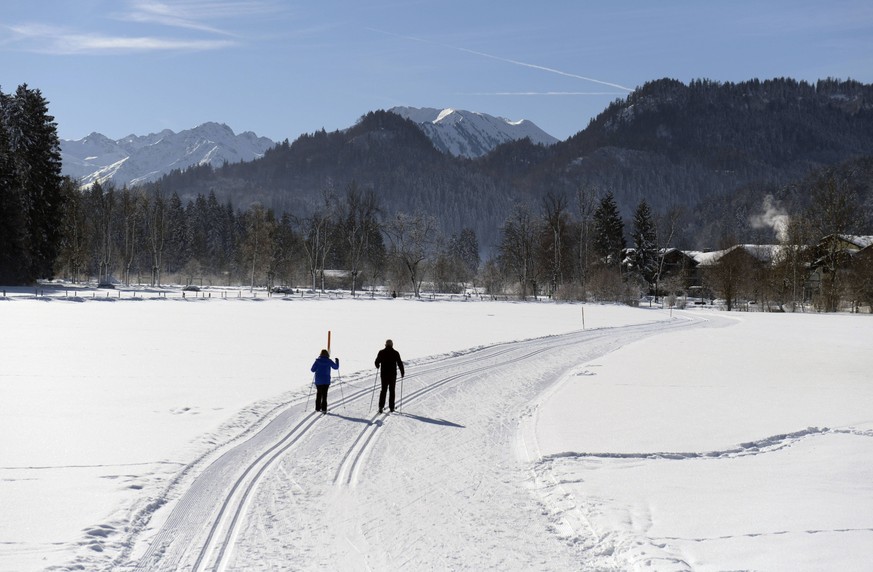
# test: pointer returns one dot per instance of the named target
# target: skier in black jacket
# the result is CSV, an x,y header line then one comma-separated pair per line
x,y
390,362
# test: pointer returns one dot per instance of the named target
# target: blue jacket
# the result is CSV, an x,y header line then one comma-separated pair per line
x,y
322,367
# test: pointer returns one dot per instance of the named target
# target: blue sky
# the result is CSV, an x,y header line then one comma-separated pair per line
x,y
284,68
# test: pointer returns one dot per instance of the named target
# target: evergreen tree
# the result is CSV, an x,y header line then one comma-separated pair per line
x,y
13,229
609,239
31,136
76,234
197,236
644,258
464,247
177,238
286,248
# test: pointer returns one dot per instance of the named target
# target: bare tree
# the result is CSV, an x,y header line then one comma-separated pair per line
x,y
518,249
132,210
791,264
103,204
586,204
834,211
359,227
412,238
555,215
732,274
157,226
260,225
665,232
492,278
318,233
861,279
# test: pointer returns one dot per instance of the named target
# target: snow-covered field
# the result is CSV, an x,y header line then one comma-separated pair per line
x,y
698,440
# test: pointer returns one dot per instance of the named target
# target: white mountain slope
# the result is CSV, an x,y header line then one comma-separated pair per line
x,y
469,134
139,159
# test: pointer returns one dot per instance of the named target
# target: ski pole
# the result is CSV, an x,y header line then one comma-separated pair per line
x,y
375,380
310,393
400,405
339,379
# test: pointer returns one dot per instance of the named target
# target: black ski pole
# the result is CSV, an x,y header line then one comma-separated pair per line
x,y
376,380
400,405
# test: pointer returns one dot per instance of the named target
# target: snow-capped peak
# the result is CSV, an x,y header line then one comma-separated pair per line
x,y
443,114
468,133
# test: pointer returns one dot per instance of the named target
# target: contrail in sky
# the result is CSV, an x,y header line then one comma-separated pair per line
x,y
507,60
552,70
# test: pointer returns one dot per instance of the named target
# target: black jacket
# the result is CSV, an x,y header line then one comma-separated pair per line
x,y
389,360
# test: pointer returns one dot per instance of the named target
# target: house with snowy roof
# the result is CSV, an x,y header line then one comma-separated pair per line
x,y
840,269
681,264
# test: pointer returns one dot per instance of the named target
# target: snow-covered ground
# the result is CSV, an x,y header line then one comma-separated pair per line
x,y
177,434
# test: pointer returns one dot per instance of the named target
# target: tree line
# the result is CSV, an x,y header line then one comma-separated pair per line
x,y
573,248
139,236
135,236
569,246
577,249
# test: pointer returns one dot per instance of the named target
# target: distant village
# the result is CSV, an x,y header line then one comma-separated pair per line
x,y
836,274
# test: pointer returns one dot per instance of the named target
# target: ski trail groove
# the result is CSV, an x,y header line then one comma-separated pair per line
x,y
347,472
234,504
233,477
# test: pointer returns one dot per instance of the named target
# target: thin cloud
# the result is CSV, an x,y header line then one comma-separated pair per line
x,y
508,60
170,16
58,41
194,15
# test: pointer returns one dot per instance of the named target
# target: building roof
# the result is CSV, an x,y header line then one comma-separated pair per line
x,y
761,252
859,240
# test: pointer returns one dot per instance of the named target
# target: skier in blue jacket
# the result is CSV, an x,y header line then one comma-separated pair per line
x,y
322,366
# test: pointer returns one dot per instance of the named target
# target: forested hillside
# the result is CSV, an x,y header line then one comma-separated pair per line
x,y
383,152
694,146
701,147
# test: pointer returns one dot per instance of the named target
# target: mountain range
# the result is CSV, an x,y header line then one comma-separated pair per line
x,y
719,152
135,160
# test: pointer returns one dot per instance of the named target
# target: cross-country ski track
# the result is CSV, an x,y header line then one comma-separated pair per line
x,y
347,490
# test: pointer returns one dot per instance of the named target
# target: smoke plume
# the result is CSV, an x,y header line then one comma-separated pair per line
x,y
772,216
